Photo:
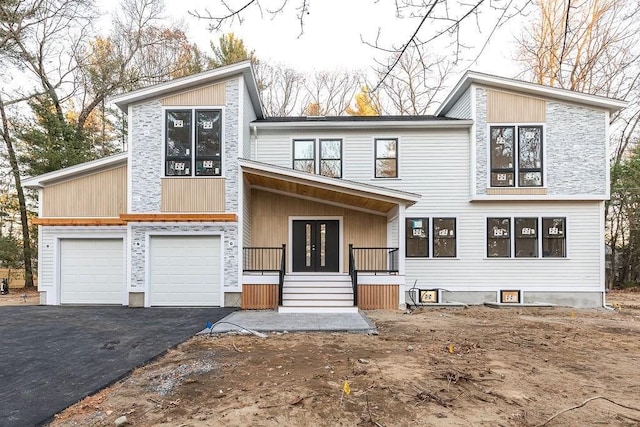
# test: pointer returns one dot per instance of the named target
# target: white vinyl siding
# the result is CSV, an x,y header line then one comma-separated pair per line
x,y
248,116
473,271
462,108
184,271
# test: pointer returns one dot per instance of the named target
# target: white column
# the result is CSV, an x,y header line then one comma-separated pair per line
x,y
401,255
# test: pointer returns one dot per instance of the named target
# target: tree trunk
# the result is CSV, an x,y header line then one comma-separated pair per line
x,y
24,220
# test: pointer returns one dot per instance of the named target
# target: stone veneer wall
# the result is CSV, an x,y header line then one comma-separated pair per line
x,y
574,144
146,157
147,170
139,249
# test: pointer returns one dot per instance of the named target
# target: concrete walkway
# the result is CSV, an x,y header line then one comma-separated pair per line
x,y
272,321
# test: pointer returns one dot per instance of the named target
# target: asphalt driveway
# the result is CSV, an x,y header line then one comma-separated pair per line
x,y
51,357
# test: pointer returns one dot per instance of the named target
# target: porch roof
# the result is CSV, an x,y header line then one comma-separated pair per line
x,y
324,189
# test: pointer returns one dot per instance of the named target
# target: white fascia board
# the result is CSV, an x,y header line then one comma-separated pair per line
x,y
376,192
40,180
470,77
321,124
244,68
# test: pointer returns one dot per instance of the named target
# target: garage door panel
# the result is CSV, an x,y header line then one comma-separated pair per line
x,y
91,271
185,271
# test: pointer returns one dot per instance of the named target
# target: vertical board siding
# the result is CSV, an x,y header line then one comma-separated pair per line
x,y
259,297
372,297
503,107
246,214
207,95
462,108
103,194
270,214
192,195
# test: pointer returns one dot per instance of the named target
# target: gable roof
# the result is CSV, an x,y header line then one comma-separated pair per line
x,y
356,195
243,68
474,77
78,170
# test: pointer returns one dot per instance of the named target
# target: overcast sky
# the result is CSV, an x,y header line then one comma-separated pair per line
x,y
332,36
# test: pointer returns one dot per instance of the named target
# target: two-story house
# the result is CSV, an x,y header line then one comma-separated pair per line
x,y
499,197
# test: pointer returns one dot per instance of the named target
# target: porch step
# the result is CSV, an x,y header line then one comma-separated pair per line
x,y
300,309
317,302
317,294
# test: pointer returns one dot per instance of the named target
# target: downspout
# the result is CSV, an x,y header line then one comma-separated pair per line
x,y
255,139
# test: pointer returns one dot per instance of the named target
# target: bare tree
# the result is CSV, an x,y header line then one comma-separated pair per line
x,y
416,84
454,26
329,93
593,46
280,88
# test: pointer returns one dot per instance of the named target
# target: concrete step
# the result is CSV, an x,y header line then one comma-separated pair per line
x,y
317,302
317,278
300,284
319,309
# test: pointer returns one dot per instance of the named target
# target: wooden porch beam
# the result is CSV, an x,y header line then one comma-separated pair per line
x,y
143,217
78,221
179,217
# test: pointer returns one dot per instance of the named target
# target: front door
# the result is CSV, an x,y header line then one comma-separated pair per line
x,y
316,246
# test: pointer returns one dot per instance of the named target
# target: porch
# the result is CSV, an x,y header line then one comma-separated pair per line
x,y
372,282
317,244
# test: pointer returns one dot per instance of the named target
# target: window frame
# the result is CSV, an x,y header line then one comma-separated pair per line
x,y
507,237
425,227
525,238
561,236
376,158
515,170
539,237
193,135
296,159
317,158
435,237
321,159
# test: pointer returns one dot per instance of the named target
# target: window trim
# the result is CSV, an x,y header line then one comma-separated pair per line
x,y
192,108
508,238
293,153
317,153
516,169
434,237
426,227
564,236
376,158
539,238
536,237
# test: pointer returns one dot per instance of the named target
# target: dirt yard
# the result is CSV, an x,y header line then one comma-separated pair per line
x,y
20,297
433,367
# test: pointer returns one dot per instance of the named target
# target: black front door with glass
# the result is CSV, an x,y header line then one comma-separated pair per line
x,y
316,246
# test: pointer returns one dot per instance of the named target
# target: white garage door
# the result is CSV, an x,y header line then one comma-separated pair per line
x,y
91,271
185,271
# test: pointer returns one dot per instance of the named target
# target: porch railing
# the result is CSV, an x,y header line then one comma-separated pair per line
x,y
371,260
266,259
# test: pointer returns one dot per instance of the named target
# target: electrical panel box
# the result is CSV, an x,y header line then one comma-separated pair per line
x,y
509,297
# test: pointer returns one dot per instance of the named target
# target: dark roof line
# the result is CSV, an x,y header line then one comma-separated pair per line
x,y
315,119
